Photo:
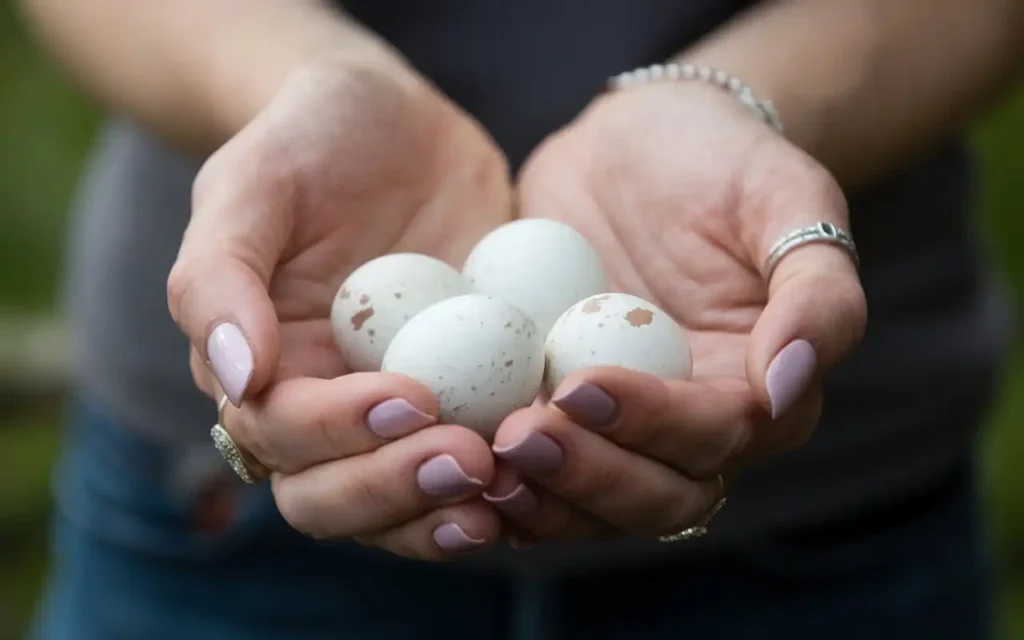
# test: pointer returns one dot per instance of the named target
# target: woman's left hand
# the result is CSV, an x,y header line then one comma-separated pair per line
x,y
683,191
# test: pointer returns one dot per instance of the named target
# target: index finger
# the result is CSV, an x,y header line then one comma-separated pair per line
x,y
301,422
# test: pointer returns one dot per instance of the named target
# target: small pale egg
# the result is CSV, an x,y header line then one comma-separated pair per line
x,y
616,329
378,298
483,357
541,266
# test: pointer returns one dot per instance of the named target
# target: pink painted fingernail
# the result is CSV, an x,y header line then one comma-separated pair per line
x,y
453,539
519,502
789,374
395,418
442,477
536,454
588,405
231,360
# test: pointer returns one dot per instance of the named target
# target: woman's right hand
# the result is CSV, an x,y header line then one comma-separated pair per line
x,y
345,164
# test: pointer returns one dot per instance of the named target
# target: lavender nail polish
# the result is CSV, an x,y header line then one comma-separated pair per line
x,y
395,418
442,477
588,405
789,374
231,360
536,454
453,539
519,502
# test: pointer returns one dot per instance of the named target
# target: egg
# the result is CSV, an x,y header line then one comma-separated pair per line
x,y
378,298
480,355
616,329
541,266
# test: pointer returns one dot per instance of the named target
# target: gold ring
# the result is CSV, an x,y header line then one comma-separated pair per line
x,y
701,528
236,458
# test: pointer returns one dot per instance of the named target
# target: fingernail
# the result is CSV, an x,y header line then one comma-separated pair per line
x,y
453,539
442,477
536,454
588,405
395,418
789,374
519,502
231,360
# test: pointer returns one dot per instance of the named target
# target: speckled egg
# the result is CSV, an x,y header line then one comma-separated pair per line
x,y
541,266
483,357
616,329
379,297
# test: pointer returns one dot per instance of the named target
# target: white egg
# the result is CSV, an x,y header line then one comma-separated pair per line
x,y
541,266
483,357
616,329
378,298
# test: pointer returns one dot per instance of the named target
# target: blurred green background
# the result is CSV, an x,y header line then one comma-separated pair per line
x,y
45,130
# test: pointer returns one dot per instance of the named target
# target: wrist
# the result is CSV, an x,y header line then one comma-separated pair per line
x,y
249,66
673,103
686,72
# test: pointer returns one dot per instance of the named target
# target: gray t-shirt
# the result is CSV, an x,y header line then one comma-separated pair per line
x,y
899,414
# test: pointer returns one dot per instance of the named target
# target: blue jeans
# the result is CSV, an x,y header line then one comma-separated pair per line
x,y
130,562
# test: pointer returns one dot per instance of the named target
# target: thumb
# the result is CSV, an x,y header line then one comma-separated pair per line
x,y
217,292
816,314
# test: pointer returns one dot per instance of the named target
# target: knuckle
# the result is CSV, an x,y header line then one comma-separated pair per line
x,y
188,278
180,282
254,166
386,501
787,179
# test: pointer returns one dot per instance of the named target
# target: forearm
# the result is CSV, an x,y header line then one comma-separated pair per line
x,y
194,71
863,85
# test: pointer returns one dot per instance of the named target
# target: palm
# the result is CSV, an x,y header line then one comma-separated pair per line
x,y
404,176
664,218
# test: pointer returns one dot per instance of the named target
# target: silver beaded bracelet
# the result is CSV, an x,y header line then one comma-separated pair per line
x,y
686,71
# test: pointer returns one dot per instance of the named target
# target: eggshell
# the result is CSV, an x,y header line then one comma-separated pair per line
x,y
616,329
483,357
378,298
541,266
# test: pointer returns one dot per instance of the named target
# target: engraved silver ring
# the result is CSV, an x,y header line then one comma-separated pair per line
x,y
821,232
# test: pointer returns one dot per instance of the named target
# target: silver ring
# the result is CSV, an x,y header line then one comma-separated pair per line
x,y
701,528
231,452
824,232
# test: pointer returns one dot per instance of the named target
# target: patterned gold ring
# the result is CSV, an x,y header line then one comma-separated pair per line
x,y
701,528
241,463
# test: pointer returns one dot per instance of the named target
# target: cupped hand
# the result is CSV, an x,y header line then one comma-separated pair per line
x,y
345,164
683,191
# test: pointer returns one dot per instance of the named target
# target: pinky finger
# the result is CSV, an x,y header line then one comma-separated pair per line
x,y
447,532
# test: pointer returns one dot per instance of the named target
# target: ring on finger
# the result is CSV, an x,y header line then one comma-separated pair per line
x,y
701,528
820,232
245,466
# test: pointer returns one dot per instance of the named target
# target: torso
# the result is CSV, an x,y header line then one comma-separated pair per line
x,y
898,414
